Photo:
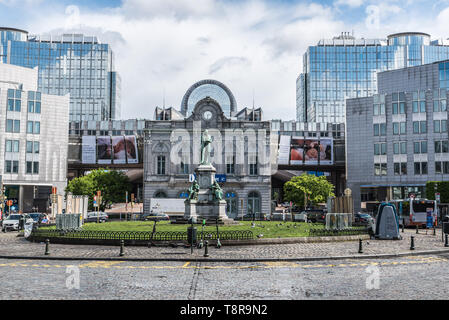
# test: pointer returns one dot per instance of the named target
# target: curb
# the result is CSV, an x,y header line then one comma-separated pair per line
x,y
374,256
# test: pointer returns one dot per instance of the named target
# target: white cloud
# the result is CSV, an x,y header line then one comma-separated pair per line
x,y
349,3
166,46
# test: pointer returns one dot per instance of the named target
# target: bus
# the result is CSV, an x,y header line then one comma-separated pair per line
x,y
414,212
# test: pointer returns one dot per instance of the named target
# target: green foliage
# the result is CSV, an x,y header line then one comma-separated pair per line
x,y
112,184
442,188
316,189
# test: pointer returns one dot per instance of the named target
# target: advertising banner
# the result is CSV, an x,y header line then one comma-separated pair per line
x,y
118,145
104,150
284,149
89,154
131,149
311,151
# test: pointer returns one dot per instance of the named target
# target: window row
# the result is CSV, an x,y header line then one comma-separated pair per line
x,y
13,146
230,165
12,166
13,126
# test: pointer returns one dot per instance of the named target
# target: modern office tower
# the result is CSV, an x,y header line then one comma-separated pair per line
x,y
33,139
346,67
68,63
397,139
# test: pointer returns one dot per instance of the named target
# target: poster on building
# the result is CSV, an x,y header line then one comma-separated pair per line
x,y
284,149
131,149
89,155
104,150
311,151
119,149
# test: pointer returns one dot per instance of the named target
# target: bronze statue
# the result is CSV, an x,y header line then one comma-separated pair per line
x,y
217,191
193,191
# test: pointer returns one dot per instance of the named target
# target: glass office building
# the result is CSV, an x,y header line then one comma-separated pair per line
x,y
68,63
346,67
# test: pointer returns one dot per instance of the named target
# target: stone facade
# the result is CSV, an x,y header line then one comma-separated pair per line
x,y
172,152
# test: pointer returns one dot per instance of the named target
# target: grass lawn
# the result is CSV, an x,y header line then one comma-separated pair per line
x,y
269,229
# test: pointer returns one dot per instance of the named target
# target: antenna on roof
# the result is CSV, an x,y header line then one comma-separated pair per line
x,y
163,99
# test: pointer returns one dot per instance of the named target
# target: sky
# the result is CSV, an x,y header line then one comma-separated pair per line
x,y
254,47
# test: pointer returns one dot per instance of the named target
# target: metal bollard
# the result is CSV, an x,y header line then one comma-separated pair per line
x,y
206,245
47,247
417,229
434,231
446,244
122,248
403,226
412,243
360,246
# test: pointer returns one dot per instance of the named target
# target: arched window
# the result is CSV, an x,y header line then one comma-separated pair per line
x,y
254,204
160,194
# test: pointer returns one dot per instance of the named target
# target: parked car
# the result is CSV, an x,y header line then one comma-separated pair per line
x,y
279,215
362,218
96,216
314,215
39,218
12,222
156,216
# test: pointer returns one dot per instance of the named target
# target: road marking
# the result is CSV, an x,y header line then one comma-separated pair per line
x,y
264,265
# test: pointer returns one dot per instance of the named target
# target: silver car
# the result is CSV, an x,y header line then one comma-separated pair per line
x,y
13,220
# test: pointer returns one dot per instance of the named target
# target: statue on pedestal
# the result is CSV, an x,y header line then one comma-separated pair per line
x,y
217,191
193,191
206,140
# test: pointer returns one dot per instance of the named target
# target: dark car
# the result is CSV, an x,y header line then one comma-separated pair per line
x,y
96,216
362,218
37,217
315,215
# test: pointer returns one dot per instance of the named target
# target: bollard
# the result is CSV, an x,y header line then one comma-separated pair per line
x,y
403,226
446,244
412,243
122,248
417,229
360,246
434,231
47,245
206,244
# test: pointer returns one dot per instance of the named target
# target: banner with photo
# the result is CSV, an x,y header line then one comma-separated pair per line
x,y
104,150
284,149
308,151
88,153
131,149
119,149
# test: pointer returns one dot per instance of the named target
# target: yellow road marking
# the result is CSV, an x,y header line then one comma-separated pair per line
x,y
187,265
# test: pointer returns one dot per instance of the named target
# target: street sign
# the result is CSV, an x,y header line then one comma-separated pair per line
x,y
192,177
95,201
437,196
54,190
220,177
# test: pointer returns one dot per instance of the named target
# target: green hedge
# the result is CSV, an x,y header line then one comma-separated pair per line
x,y
442,188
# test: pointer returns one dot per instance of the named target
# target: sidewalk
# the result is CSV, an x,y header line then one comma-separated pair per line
x,y
12,246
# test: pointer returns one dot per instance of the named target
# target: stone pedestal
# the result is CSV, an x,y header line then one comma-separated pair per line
x,y
206,207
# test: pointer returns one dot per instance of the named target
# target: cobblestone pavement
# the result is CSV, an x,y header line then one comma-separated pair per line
x,y
11,245
416,277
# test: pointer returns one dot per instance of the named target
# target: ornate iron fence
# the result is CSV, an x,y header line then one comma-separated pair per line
x,y
137,235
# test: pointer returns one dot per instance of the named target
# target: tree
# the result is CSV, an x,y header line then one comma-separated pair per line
x,y
112,184
308,189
